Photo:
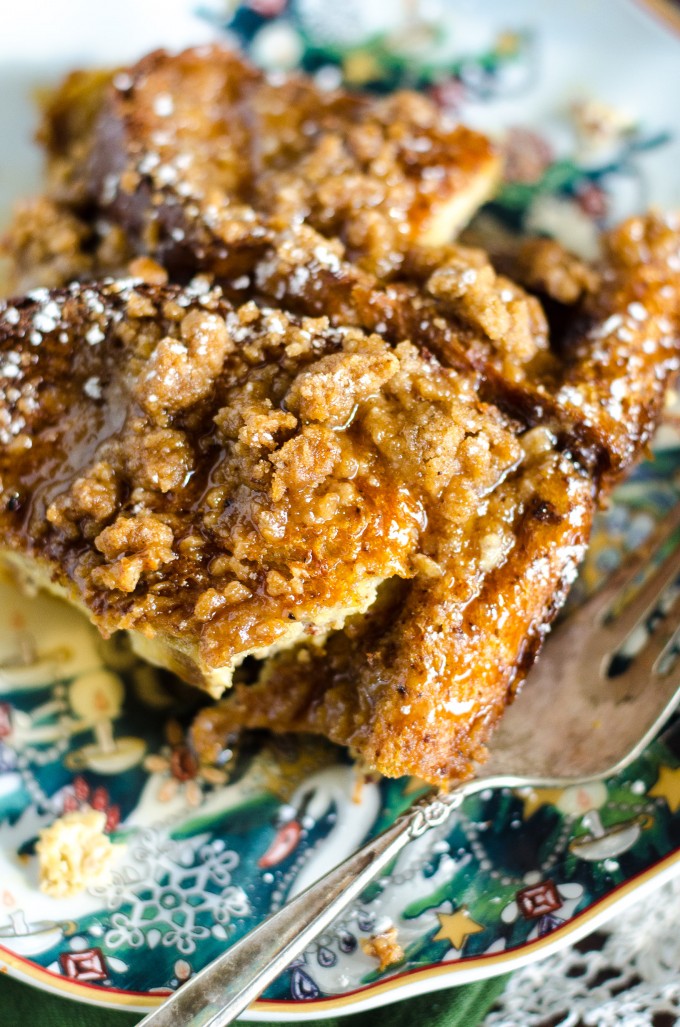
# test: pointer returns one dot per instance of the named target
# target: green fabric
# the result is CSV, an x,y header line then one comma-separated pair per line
x,y
458,1007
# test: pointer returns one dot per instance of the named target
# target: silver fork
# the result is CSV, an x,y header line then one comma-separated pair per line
x,y
602,689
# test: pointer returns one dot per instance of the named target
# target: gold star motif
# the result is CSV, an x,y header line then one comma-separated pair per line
x,y
668,787
360,66
456,927
534,798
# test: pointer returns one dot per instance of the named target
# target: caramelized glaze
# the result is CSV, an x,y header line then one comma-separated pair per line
x,y
348,448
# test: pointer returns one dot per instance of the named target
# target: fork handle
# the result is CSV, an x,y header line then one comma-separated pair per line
x,y
223,989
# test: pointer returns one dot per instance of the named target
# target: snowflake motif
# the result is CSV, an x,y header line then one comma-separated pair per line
x,y
185,935
124,933
233,903
172,892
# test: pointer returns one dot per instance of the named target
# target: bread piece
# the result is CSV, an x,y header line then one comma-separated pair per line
x,y
202,163
223,482
229,482
201,155
416,685
596,376
615,328
596,383
142,505
364,483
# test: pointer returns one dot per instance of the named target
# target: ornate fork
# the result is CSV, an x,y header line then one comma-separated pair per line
x,y
607,681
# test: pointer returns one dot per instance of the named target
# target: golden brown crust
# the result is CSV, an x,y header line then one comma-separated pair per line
x,y
600,398
416,685
169,115
200,151
229,477
355,692
545,267
598,380
622,349
369,458
615,328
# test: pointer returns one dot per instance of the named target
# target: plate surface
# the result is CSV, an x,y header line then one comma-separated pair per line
x,y
205,853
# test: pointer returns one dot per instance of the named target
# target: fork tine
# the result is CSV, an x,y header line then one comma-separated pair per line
x,y
586,638
595,610
642,673
572,721
672,647
644,601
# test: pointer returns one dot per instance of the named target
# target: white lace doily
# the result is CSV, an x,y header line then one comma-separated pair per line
x,y
627,974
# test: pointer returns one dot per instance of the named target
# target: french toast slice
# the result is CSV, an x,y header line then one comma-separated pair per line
x,y
589,388
176,516
200,153
227,482
416,684
351,467
231,478
596,376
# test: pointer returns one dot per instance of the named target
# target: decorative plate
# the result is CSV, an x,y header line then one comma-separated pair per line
x,y
204,853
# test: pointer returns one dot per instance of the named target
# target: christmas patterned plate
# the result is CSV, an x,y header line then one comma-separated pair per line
x,y
587,94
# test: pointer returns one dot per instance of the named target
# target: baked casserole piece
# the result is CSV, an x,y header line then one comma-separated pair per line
x,y
258,411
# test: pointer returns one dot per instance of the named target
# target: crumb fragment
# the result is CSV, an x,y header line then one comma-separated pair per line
x,y
384,947
74,853
132,546
150,271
